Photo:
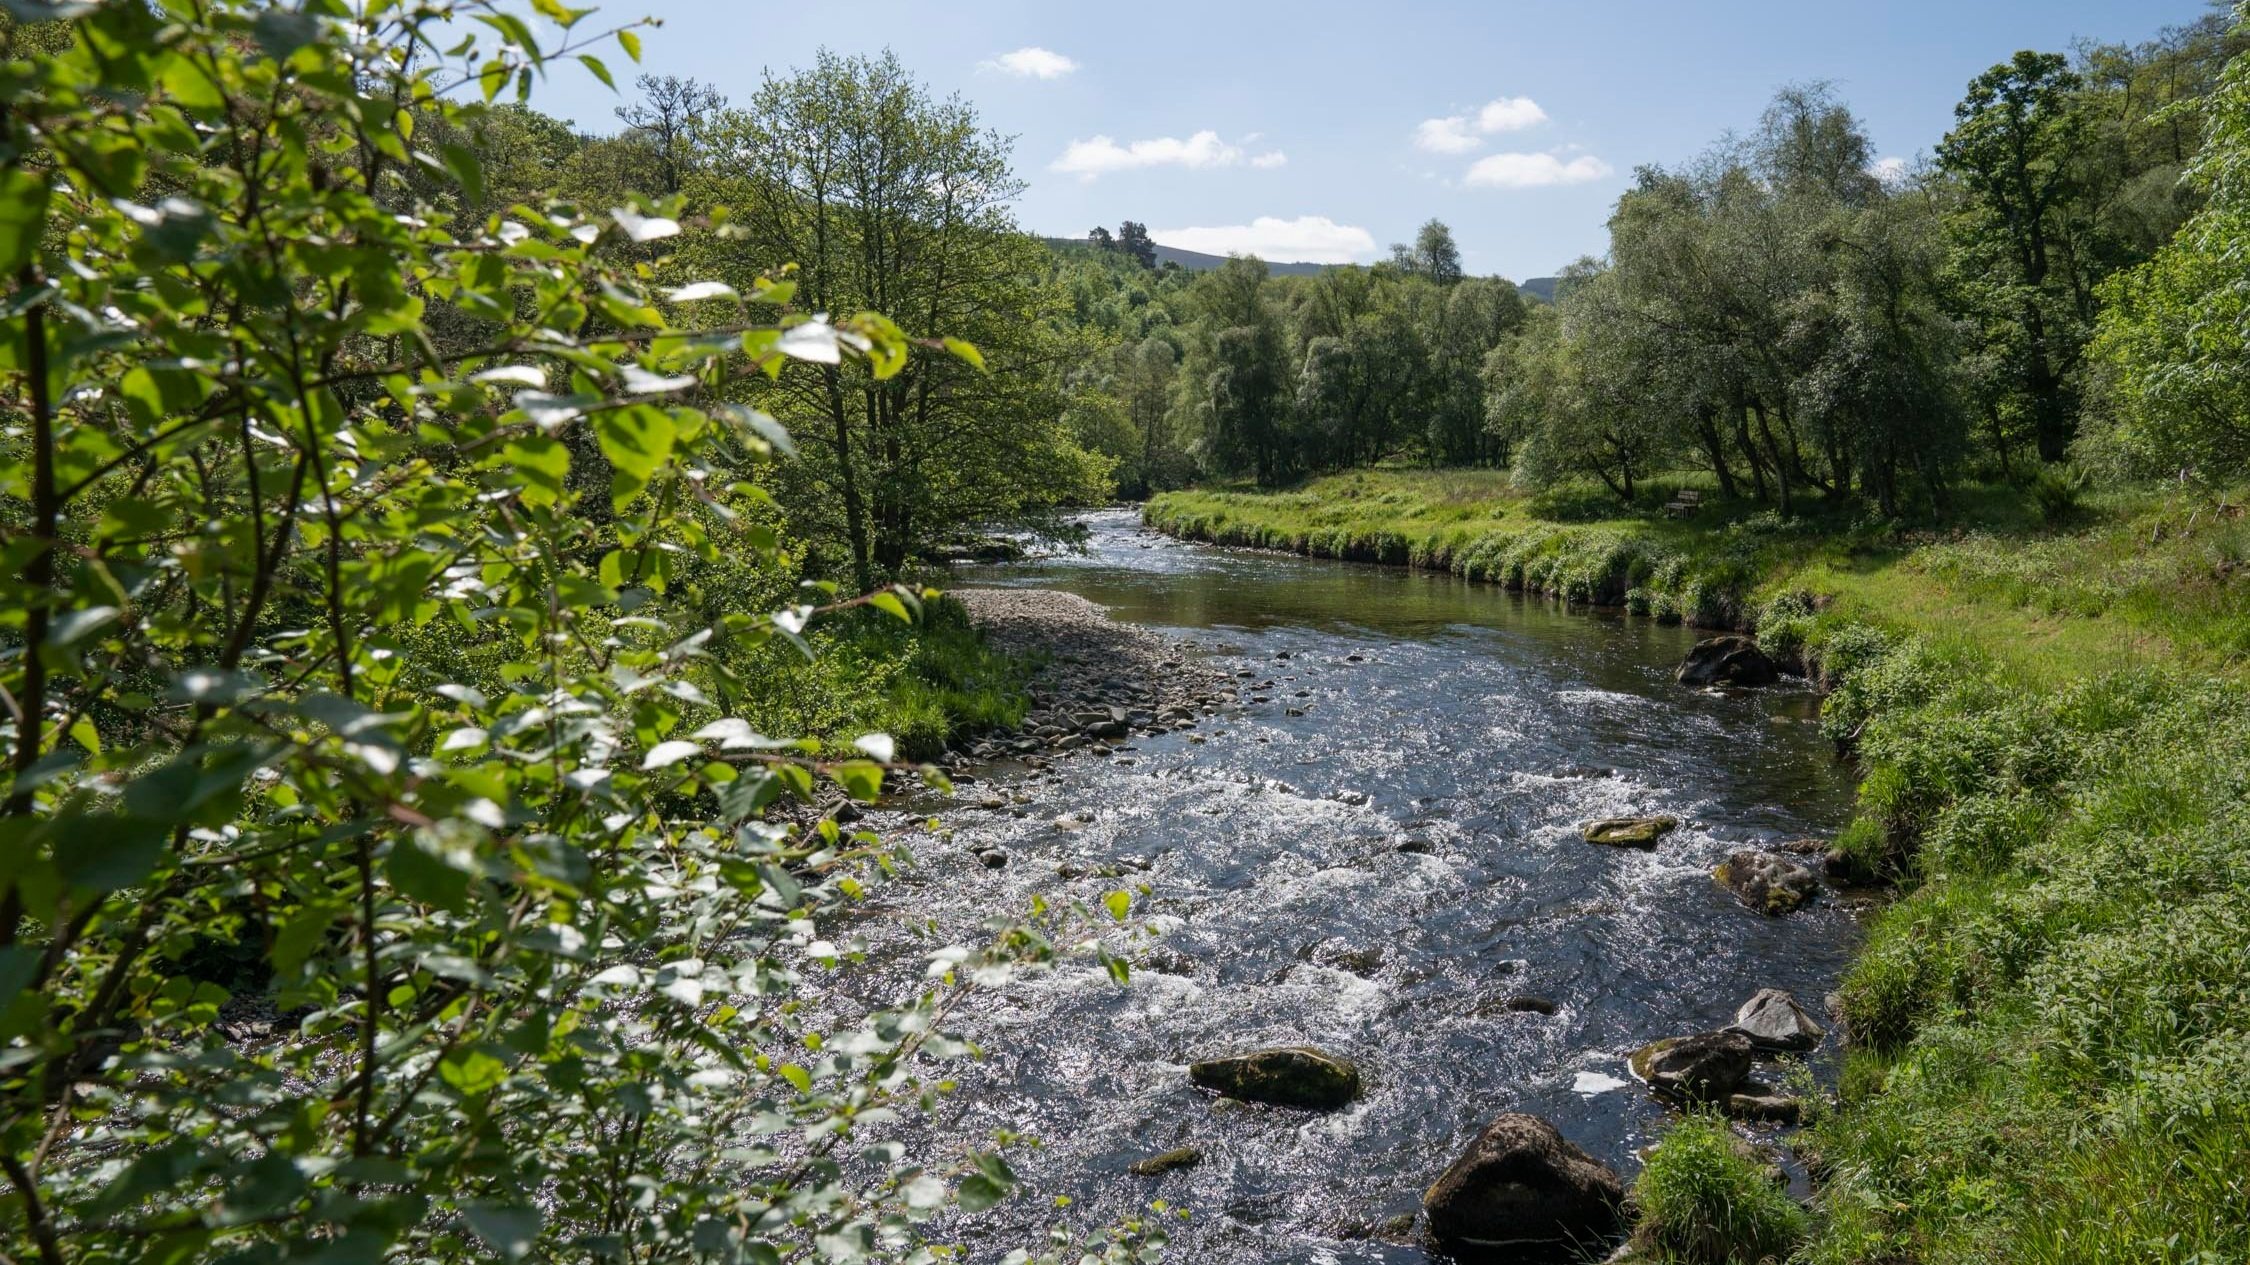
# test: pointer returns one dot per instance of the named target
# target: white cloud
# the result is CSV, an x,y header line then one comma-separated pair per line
x,y
1034,62
1890,170
1100,156
1270,160
1446,136
1510,114
1534,171
1460,133
1306,239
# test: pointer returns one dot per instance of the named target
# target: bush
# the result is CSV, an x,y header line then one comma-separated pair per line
x,y
388,868
1704,1201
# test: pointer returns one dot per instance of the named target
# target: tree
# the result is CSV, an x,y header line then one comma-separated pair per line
x,y
891,200
386,875
1133,239
666,117
2175,365
1433,255
2015,146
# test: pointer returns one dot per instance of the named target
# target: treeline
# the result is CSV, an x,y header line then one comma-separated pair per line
x,y
1238,373
1792,319
1784,313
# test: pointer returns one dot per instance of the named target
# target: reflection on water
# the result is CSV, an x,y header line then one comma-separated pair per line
x,y
1474,727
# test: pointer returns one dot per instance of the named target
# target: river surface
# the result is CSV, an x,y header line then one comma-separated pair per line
x,y
1474,721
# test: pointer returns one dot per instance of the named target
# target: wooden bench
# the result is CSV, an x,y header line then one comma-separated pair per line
x,y
1686,504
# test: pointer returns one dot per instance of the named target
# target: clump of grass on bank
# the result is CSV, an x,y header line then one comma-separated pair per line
x,y
1703,1201
2052,1028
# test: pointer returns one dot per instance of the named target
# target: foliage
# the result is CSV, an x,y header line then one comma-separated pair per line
x,y
1703,1201
901,206
2056,1013
2174,337
389,866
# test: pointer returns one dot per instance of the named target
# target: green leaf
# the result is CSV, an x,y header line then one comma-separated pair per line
x,y
637,441
472,1071
23,215
466,168
601,72
107,853
1119,904
541,465
861,779
965,350
631,43
797,1076
424,875
890,603
509,1229
979,1192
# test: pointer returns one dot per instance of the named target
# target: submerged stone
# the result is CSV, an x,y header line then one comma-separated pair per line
x,y
1522,1192
1762,1103
1295,1076
1165,1161
1628,832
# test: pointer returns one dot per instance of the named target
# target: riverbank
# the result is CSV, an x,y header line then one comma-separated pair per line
x,y
2048,1028
1089,680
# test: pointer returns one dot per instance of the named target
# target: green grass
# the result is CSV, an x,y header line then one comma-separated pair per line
x,y
923,684
2127,579
2050,1027
1703,1201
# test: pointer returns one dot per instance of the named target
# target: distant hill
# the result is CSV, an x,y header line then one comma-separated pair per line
x,y
1540,288
1197,261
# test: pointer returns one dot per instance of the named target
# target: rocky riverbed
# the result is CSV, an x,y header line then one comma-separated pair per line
x,y
1098,681
1354,804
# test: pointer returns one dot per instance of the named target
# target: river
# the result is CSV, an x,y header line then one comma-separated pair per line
x,y
1474,726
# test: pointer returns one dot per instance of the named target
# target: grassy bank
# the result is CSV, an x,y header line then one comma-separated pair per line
x,y
2050,1028
923,683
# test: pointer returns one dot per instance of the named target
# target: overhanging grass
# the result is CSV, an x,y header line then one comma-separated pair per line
x,y
2128,579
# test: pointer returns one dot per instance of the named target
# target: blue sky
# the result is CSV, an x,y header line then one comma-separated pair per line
x,y
1327,131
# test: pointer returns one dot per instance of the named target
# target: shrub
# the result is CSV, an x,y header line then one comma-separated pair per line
x,y
386,862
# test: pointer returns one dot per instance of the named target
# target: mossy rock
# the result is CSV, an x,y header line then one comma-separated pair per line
x,y
1295,1076
1770,884
1705,1067
1628,832
1165,1161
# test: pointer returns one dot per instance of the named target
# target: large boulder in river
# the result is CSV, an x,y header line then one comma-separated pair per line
x,y
1296,1076
1767,883
1774,1021
1706,1067
1628,832
1729,660
1523,1192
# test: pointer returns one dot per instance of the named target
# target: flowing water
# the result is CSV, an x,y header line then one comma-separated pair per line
x,y
1480,725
